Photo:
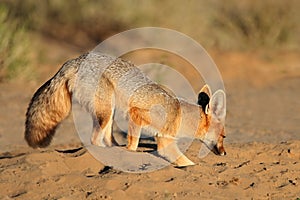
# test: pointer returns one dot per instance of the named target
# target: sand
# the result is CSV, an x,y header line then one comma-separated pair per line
x,y
252,170
262,144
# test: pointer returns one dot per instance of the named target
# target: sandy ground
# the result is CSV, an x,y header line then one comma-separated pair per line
x,y
263,144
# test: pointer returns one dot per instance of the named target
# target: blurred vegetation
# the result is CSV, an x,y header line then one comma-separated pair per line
x,y
225,25
256,24
13,49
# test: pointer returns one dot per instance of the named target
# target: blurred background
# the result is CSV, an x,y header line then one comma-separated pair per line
x,y
220,25
255,44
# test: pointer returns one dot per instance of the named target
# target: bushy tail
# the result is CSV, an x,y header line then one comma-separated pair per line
x,y
50,104
48,107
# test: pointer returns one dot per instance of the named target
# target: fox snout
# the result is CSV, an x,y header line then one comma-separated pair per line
x,y
216,147
219,147
219,150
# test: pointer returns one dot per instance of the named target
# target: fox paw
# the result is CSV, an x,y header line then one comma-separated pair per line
x,y
183,161
132,148
98,143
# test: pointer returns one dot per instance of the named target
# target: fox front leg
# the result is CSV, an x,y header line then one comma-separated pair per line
x,y
168,148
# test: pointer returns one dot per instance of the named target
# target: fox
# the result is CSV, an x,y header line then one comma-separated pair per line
x,y
101,84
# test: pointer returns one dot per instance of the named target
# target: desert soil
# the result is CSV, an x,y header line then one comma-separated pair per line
x,y
262,144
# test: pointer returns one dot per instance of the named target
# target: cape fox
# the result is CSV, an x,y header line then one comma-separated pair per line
x,y
101,83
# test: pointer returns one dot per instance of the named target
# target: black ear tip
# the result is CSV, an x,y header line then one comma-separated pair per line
x,y
203,99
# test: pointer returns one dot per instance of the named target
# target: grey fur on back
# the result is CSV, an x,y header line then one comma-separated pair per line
x,y
124,76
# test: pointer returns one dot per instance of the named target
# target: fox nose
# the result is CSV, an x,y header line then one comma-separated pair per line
x,y
219,151
222,151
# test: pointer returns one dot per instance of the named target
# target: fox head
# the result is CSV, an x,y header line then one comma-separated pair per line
x,y
214,108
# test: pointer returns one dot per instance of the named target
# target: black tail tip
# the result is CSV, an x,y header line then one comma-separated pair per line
x,y
38,140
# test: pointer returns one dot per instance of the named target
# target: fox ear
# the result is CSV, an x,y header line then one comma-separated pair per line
x,y
206,89
217,105
203,97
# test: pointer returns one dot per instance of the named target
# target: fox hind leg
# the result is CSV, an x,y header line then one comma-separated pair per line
x,y
98,136
108,137
102,130
104,107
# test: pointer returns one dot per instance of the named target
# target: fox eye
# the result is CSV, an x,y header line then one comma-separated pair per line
x,y
223,136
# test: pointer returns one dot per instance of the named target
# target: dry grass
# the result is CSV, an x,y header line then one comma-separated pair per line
x,y
225,25
13,46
